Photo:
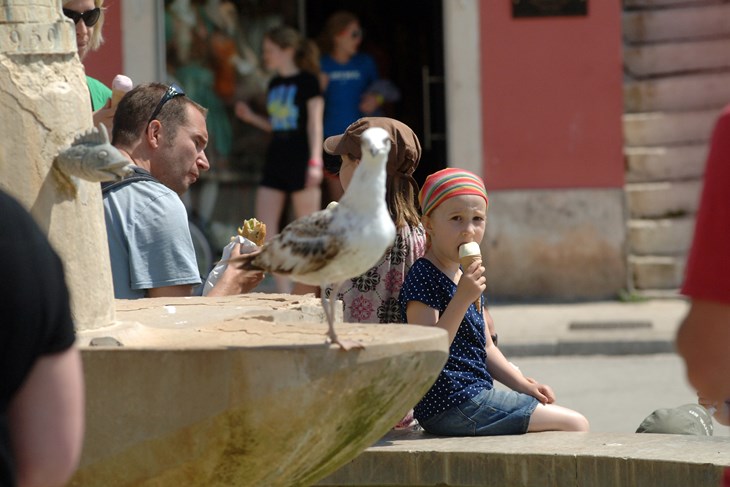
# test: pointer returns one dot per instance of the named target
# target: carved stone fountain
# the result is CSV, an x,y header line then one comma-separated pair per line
x,y
188,391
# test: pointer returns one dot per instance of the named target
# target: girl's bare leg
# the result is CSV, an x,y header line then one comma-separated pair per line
x,y
269,208
551,417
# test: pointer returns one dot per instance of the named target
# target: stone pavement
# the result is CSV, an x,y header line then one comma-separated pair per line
x,y
602,327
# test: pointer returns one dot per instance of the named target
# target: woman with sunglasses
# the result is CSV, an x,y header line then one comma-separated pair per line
x,y
88,18
346,76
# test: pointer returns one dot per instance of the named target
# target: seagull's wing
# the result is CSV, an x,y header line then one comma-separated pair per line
x,y
304,246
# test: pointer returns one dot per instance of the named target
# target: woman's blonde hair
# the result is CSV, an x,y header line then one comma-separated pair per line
x,y
97,39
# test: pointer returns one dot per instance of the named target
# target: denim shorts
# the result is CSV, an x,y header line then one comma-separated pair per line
x,y
490,413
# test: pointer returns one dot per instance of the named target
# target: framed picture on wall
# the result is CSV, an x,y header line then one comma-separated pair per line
x,y
548,8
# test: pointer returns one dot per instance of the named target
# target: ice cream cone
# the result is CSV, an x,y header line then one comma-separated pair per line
x,y
468,254
120,86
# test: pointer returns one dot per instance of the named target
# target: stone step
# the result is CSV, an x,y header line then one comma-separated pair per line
x,y
687,22
648,4
669,128
658,293
676,57
662,200
694,92
657,272
666,236
654,164
406,458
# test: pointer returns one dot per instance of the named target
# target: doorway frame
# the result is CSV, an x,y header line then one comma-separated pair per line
x,y
462,66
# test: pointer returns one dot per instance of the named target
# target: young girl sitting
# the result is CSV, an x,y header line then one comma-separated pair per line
x,y
373,296
463,401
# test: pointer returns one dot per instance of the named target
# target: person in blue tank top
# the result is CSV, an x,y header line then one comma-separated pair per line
x,y
345,77
439,292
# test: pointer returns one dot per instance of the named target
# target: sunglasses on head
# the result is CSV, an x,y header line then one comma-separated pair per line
x,y
173,91
90,17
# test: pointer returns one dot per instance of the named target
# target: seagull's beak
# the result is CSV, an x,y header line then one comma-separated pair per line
x,y
380,146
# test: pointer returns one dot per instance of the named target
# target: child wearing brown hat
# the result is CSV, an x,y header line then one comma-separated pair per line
x,y
373,296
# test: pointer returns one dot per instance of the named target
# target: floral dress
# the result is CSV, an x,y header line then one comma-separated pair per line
x,y
373,296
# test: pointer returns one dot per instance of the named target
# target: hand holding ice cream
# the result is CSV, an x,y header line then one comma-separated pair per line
x,y
468,254
120,86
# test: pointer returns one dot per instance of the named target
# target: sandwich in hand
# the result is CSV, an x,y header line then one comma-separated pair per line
x,y
254,230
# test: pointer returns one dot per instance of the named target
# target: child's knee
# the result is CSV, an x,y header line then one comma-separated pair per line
x,y
577,422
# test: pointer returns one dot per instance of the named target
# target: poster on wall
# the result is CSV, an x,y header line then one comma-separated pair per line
x,y
548,8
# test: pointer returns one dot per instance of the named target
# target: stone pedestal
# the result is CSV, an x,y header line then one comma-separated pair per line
x,y
242,391
44,104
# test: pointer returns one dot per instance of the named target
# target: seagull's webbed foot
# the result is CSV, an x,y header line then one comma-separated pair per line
x,y
329,311
347,345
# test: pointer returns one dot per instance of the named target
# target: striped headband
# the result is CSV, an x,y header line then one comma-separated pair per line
x,y
446,184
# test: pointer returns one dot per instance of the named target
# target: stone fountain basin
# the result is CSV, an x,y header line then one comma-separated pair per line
x,y
242,391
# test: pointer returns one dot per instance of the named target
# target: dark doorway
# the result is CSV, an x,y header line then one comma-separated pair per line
x,y
406,39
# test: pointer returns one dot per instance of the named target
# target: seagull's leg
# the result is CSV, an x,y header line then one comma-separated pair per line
x,y
344,344
327,309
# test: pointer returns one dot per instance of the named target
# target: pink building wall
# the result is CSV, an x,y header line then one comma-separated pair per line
x,y
106,62
552,98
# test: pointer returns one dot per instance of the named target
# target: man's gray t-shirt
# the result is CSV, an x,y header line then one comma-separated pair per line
x,y
149,239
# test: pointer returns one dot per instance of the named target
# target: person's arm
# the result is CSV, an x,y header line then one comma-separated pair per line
x,y
105,115
370,101
236,280
503,371
702,341
315,110
183,290
703,337
244,112
324,81
46,420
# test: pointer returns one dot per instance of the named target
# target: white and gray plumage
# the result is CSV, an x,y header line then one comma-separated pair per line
x,y
93,158
339,243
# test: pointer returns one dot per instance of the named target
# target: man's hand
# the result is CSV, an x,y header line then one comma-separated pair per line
x,y
235,280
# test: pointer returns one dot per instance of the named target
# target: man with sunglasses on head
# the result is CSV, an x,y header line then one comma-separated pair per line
x,y
164,135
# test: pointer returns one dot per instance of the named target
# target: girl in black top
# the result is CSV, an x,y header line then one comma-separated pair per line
x,y
294,157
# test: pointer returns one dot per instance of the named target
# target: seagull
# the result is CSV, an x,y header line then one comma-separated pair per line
x,y
338,243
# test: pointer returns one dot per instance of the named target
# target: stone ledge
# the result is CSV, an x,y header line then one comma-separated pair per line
x,y
407,458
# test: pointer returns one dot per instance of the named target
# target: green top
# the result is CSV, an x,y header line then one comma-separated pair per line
x,y
99,92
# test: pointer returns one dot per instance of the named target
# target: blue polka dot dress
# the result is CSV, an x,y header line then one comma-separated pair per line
x,y
465,373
